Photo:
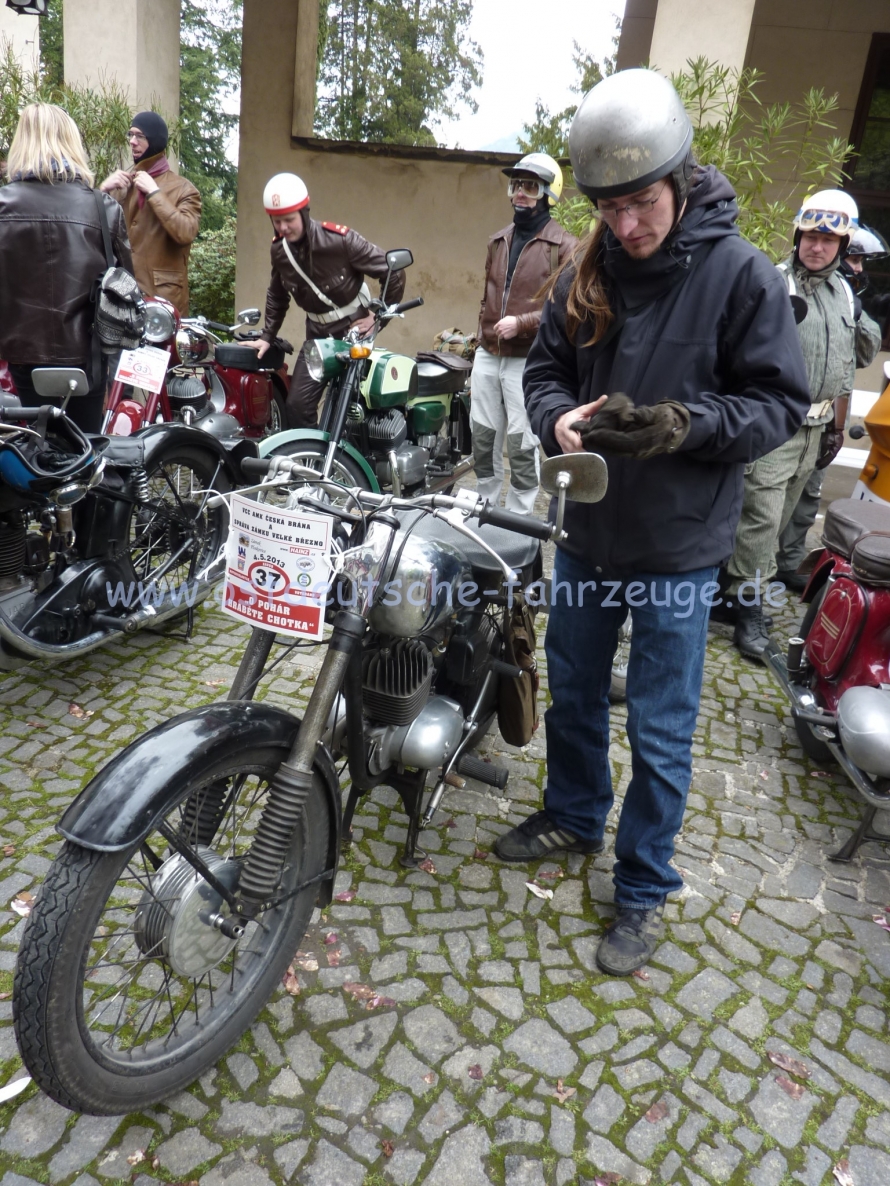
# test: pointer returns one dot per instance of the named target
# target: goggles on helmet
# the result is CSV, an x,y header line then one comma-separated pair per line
x,y
526,185
830,222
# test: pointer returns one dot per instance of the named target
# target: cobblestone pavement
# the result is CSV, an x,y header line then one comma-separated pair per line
x,y
506,1058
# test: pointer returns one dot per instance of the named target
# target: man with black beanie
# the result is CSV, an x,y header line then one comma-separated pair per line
x,y
521,259
162,209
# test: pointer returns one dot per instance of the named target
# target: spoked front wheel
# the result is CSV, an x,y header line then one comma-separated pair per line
x,y
125,988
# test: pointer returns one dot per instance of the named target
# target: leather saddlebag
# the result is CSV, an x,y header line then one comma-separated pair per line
x,y
518,698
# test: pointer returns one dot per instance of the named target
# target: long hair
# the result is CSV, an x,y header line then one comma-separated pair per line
x,y
47,145
587,301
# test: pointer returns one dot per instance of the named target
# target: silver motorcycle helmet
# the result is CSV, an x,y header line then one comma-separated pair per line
x,y
630,130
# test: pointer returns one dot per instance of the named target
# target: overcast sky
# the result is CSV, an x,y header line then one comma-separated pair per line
x,y
528,53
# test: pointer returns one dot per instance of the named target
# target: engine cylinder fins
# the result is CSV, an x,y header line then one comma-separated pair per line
x,y
187,391
387,430
12,549
396,681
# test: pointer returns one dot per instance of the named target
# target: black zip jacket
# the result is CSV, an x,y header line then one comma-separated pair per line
x,y
708,323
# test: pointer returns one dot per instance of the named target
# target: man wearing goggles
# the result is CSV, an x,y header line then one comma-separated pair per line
x,y
835,337
521,259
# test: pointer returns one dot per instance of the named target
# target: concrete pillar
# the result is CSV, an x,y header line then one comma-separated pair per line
x,y
690,29
133,42
305,67
23,32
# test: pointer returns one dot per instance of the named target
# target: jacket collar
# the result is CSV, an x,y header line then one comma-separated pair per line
x,y
550,232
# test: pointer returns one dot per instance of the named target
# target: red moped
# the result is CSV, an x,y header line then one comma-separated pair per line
x,y
220,387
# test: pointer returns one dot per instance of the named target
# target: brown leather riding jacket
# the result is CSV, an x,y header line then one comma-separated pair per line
x,y
51,256
337,260
537,262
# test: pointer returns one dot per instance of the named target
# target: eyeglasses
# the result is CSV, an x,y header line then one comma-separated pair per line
x,y
833,222
634,209
526,185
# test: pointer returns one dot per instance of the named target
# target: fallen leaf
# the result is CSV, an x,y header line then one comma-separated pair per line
x,y
345,896
136,1157
792,1065
213,683
538,890
37,724
81,713
331,938
657,1112
881,920
22,904
306,961
451,823
475,1071
607,1179
564,1093
4,996
550,874
480,855
380,1003
795,1090
360,992
388,1147
290,982
736,917
820,774
430,1078
334,958
842,1173
9,850
156,1163
764,775
427,865
641,974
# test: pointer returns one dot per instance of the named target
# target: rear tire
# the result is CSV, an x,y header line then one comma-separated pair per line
x,y
105,1022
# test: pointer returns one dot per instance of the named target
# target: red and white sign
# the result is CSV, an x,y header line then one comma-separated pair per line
x,y
145,368
277,568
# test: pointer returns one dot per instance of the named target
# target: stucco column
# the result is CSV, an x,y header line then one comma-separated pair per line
x,y
687,29
23,33
134,42
305,67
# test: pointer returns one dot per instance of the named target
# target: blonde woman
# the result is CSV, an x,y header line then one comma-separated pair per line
x,y
51,254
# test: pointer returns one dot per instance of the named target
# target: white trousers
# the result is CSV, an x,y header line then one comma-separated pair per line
x,y
497,410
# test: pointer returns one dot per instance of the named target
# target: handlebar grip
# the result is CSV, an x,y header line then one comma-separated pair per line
x,y
406,305
13,413
857,432
218,325
510,521
255,467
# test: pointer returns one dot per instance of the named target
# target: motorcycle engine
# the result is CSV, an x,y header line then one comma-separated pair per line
x,y
188,397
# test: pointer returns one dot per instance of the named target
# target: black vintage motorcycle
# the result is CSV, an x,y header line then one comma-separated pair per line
x,y
100,537
192,862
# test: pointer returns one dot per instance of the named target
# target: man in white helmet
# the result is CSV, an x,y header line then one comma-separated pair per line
x,y
668,346
322,265
832,334
521,259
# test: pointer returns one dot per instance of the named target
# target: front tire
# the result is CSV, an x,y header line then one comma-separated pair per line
x,y
345,471
113,1007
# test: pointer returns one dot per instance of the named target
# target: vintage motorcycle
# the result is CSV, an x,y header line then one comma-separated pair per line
x,y
192,862
217,386
389,422
100,537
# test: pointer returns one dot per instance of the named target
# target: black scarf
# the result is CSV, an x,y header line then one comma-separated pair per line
x,y
527,221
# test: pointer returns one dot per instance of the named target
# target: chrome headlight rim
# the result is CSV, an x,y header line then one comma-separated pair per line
x,y
160,322
314,362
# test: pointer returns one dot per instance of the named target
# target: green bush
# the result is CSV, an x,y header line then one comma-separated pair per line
x,y
212,274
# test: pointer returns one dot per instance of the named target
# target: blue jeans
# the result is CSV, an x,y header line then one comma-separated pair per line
x,y
664,678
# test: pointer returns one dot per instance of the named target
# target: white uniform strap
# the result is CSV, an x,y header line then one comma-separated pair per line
x,y
337,313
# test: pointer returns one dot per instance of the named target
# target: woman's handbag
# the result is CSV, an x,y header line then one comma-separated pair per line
x,y
518,698
119,320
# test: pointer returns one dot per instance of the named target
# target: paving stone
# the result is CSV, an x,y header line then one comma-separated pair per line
x,y
719,1160
875,1086
346,1091
444,1115
751,1020
288,1157
571,1016
869,1167
770,1171
304,1055
395,1112
431,1032
114,1164
877,1129
705,992
402,1067
363,1042
562,1130
507,1001
513,1130
237,1170
461,1159
780,1116
458,1066
872,1051
86,1140
539,1046
186,1150
285,1085
521,1171
35,1127
605,1156
243,1070
240,1118
332,1167
645,1136
605,1109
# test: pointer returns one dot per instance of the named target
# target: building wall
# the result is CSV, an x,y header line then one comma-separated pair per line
x,y
23,32
444,208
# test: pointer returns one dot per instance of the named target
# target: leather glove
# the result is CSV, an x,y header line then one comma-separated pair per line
x,y
621,427
831,444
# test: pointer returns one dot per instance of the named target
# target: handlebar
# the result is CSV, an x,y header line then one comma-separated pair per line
x,y
7,413
406,305
255,467
510,521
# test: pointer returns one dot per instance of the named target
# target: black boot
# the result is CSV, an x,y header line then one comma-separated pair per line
x,y
794,581
750,635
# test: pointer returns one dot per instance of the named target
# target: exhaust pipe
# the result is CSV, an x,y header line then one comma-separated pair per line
x,y
460,470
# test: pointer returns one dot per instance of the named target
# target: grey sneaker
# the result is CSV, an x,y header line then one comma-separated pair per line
x,y
630,940
537,837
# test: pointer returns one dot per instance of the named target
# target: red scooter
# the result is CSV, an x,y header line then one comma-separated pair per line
x,y
219,387
837,671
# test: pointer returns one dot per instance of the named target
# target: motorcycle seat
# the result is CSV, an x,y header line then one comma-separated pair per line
x,y
848,519
518,551
435,379
871,558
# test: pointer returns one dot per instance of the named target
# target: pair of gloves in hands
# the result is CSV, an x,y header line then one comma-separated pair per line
x,y
623,428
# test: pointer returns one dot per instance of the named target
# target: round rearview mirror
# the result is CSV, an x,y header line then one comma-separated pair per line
x,y
583,476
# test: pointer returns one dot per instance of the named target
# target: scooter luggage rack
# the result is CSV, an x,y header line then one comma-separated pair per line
x,y
875,799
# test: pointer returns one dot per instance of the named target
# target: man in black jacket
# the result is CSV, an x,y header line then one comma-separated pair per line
x,y
671,306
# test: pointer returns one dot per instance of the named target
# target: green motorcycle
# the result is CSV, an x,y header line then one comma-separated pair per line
x,y
389,422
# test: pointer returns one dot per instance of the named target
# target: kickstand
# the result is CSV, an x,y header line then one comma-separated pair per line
x,y
410,789
351,803
864,832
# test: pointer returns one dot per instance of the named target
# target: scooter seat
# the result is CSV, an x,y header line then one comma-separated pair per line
x,y
435,379
871,558
848,519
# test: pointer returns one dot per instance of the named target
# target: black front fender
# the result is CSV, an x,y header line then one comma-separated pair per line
x,y
125,801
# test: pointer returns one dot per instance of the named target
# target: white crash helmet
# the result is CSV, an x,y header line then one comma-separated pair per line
x,y
545,168
284,194
830,211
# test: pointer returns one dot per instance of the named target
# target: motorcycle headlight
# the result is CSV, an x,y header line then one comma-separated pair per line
x,y
191,348
160,322
321,357
314,361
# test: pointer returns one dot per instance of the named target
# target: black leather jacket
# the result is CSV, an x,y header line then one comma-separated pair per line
x,y
51,255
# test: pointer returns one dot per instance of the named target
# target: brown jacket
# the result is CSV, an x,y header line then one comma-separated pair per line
x,y
51,256
337,260
537,262
161,234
